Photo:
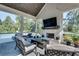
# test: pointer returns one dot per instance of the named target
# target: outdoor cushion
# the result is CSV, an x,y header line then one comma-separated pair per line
x,y
29,48
23,40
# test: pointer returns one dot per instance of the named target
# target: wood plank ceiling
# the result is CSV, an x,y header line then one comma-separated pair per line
x,y
30,8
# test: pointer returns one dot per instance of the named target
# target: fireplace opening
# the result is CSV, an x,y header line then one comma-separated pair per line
x,y
50,35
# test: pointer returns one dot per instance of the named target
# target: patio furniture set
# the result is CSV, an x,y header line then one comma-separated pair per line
x,y
48,49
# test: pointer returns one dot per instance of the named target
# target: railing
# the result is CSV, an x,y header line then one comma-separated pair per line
x,y
70,33
6,35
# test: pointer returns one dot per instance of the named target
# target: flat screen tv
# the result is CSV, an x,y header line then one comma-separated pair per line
x,y
51,22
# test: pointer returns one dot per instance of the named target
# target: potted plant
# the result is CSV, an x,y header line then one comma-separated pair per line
x,y
68,39
75,39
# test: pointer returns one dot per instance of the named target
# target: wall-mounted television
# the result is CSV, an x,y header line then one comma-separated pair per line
x,y
50,22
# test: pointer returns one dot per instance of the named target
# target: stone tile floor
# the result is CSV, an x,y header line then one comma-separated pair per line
x,y
8,49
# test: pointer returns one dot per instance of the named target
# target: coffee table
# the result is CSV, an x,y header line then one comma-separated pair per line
x,y
40,43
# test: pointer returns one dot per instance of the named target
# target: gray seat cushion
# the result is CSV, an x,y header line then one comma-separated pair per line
x,y
23,40
29,48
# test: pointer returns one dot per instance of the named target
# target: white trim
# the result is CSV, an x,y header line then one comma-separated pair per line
x,y
41,11
14,11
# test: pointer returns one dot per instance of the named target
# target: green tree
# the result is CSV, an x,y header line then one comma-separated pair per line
x,y
1,26
39,26
8,25
28,25
73,23
0,22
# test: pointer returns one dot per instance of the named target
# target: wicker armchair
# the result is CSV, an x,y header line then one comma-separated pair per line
x,y
24,46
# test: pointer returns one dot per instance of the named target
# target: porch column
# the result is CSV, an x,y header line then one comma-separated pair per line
x,y
21,24
61,27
